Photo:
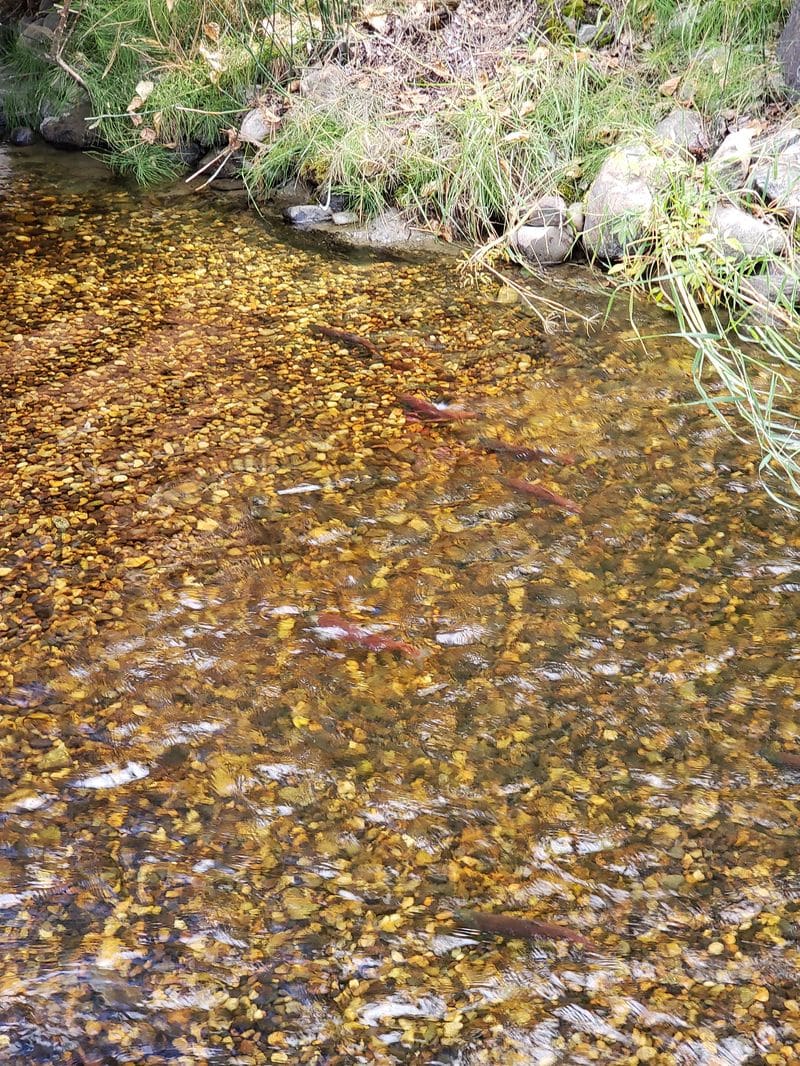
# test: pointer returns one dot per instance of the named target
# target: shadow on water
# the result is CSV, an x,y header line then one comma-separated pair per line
x,y
293,680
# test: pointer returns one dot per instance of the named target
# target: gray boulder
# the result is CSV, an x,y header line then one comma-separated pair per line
x,y
619,205
306,214
685,129
546,211
586,34
545,245
70,128
779,283
776,171
22,137
547,237
778,286
739,235
258,126
731,161
576,216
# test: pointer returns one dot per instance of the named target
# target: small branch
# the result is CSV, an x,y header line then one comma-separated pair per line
x,y
225,155
225,152
72,73
60,38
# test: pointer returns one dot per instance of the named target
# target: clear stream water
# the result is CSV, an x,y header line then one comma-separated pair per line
x,y
234,831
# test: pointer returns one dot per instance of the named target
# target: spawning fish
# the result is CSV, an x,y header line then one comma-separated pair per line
x,y
351,340
424,409
531,488
357,636
523,452
521,928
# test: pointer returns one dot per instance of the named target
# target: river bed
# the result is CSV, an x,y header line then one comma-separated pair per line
x,y
289,679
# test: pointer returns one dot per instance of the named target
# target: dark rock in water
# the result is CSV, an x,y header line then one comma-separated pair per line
x,y
21,137
228,185
789,48
306,214
70,128
292,193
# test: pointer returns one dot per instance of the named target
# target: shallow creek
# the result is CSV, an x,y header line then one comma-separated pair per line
x,y
232,831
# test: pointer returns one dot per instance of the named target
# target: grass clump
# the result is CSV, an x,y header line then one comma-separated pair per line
x,y
202,60
719,51
744,332
469,164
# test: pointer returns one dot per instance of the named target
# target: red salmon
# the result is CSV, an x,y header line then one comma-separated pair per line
x,y
351,340
428,411
521,928
358,637
524,453
532,488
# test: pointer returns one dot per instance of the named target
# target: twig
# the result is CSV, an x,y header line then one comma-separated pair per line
x,y
224,152
531,298
59,42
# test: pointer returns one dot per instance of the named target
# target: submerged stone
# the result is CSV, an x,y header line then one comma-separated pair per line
x,y
22,137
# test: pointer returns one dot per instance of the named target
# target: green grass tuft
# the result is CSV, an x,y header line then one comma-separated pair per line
x,y
722,50
747,363
206,59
